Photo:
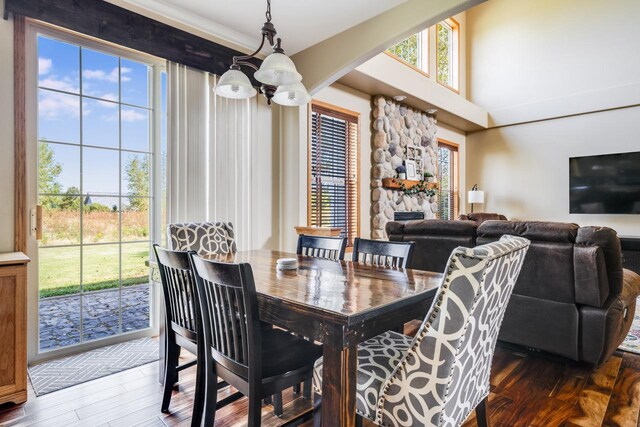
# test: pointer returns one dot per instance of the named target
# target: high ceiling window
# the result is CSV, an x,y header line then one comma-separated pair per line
x,y
447,53
448,197
413,50
333,175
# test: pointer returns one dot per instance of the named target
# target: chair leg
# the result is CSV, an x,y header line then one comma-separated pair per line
x,y
170,374
296,390
211,397
306,389
277,404
482,415
198,400
317,410
255,411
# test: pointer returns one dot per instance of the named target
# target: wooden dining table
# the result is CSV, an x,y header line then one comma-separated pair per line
x,y
339,304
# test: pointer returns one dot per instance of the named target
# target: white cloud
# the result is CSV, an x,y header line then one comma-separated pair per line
x,y
111,76
44,65
64,84
54,105
132,116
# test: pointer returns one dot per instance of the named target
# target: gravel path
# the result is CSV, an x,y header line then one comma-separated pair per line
x,y
60,316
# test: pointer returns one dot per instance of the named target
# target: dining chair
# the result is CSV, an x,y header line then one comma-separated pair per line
x,y
322,247
441,375
205,238
383,253
258,362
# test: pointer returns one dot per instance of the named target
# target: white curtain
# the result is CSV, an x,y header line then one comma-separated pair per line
x,y
219,158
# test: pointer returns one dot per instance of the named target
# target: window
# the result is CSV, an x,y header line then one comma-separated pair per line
x,y
413,51
448,197
447,43
333,170
97,109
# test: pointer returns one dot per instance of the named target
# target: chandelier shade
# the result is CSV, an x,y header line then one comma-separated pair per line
x,y
236,85
292,95
278,69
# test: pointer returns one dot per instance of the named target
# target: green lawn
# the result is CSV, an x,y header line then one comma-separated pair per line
x,y
60,268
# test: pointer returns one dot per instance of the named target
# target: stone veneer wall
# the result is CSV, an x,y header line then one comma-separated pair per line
x,y
396,127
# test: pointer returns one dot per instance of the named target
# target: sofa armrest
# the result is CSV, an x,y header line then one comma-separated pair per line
x,y
604,329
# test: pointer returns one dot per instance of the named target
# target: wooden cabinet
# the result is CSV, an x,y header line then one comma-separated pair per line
x,y
13,327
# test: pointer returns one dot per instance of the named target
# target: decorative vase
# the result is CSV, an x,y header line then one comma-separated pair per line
x,y
402,176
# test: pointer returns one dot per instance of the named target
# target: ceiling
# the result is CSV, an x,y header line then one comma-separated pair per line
x,y
300,23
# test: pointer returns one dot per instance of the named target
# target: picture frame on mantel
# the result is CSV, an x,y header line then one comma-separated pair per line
x,y
412,171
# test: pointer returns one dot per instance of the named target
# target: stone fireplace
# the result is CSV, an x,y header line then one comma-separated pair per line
x,y
398,132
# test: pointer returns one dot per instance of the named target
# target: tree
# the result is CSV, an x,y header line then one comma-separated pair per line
x,y
442,53
71,199
48,172
408,50
138,184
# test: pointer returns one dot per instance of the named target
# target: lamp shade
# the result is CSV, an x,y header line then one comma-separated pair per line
x,y
278,69
236,85
292,95
476,196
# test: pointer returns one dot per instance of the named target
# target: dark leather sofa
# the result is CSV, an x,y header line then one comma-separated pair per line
x,y
572,298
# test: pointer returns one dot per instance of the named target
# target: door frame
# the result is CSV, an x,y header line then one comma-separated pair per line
x,y
32,29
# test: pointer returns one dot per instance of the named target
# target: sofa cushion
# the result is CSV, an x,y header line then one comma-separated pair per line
x,y
431,253
608,240
441,227
481,217
533,230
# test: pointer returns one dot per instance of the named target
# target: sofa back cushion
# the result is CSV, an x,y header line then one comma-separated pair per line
x,y
481,217
434,240
548,271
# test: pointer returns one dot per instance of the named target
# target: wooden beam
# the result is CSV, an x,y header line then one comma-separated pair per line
x,y
123,27
20,136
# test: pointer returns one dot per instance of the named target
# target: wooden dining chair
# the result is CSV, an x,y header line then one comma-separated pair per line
x,y
181,323
182,327
439,377
256,361
322,247
383,253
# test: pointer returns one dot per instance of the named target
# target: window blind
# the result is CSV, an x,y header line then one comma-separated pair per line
x,y
333,195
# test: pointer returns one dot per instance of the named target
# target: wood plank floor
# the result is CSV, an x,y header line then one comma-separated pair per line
x,y
527,390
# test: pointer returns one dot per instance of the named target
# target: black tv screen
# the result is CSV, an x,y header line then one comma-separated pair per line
x,y
608,184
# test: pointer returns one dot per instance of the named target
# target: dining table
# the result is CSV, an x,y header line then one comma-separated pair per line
x,y
338,304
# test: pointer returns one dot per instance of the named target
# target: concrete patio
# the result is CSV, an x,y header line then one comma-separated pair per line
x,y
60,316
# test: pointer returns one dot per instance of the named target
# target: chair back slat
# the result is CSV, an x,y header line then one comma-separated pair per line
x,y
456,341
382,253
322,247
178,288
229,314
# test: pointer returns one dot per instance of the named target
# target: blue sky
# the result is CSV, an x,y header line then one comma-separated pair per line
x,y
59,115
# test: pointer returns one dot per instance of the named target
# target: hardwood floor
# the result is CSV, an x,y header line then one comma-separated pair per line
x,y
528,389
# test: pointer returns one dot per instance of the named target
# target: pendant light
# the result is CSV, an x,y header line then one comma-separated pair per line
x,y
278,75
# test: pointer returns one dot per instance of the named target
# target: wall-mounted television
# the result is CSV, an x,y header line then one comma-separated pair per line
x,y
606,184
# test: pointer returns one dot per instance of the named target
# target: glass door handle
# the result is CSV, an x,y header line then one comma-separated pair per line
x,y
36,222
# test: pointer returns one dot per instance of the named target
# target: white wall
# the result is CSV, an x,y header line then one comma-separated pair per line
x,y
6,136
558,65
351,99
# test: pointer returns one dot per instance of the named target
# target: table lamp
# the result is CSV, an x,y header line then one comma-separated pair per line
x,y
475,196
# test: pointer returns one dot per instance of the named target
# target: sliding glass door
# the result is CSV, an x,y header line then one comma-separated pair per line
x,y
97,140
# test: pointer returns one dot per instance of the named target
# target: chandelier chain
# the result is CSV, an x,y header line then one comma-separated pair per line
x,y
268,14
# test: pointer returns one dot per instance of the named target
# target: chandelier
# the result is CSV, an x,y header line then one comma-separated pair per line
x,y
278,75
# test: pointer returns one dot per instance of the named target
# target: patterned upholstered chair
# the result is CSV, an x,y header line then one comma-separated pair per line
x,y
204,238
441,375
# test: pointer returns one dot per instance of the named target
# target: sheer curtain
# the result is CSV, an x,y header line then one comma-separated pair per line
x,y
219,158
